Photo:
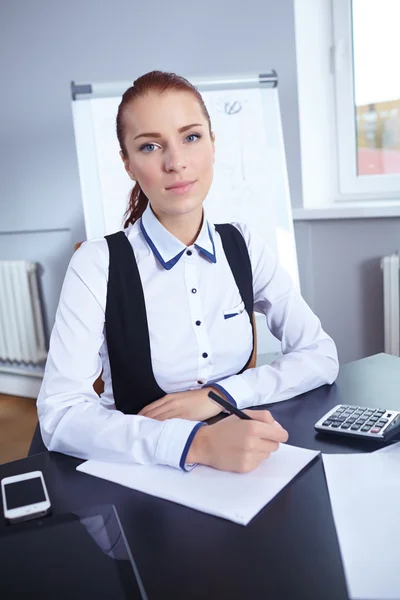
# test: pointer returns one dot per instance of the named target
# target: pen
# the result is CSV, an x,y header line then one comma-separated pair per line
x,y
228,406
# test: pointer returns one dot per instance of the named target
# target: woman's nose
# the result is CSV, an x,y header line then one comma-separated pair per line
x,y
174,160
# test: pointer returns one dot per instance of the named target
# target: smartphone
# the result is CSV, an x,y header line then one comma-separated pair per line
x,y
25,497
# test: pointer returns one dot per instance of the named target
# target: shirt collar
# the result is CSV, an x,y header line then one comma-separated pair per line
x,y
166,247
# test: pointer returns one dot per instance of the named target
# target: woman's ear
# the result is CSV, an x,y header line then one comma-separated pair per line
x,y
127,166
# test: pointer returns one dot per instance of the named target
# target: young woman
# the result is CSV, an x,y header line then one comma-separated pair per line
x,y
163,310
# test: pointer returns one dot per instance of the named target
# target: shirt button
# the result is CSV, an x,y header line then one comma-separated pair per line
x,y
194,290
204,355
200,382
189,252
198,323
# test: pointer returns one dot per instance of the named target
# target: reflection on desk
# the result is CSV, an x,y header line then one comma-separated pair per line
x,y
55,557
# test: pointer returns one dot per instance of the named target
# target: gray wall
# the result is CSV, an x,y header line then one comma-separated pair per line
x,y
341,278
46,44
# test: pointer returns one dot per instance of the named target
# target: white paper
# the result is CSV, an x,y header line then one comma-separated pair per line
x,y
233,496
365,495
391,448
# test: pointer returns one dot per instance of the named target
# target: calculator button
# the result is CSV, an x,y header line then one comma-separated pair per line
x,y
359,423
380,412
335,424
345,426
351,420
365,428
383,421
375,430
373,418
327,423
369,412
355,427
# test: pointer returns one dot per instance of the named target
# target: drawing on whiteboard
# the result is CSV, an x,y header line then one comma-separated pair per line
x,y
232,108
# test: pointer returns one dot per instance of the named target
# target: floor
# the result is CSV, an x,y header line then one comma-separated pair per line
x,y
18,419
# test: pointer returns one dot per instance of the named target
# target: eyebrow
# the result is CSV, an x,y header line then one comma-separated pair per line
x,y
154,134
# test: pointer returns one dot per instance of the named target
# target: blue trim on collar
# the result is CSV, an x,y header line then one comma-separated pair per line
x,y
170,263
207,254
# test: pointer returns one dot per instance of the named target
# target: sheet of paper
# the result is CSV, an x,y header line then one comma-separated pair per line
x,y
365,495
233,496
391,448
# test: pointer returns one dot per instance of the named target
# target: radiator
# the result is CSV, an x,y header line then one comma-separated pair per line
x,y
22,337
391,306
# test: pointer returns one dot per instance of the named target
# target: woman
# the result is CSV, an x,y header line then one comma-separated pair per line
x,y
164,308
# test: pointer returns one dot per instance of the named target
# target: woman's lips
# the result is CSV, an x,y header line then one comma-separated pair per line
x,y
181,187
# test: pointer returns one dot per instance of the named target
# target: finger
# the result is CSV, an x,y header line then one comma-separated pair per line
x,y
168,414
154,405
156,413
272,432
260,415
266,446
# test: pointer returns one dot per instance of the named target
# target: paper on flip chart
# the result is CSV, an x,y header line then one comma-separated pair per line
x,y
233,496
365,495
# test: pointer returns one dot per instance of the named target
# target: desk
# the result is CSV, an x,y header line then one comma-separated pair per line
x,y
290,549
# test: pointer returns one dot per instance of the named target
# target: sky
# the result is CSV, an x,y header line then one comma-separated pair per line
x,y
376,34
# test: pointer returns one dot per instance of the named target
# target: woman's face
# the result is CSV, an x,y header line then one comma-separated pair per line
x,y
170,151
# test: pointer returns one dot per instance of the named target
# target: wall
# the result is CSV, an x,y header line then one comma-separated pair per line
x,y
341,278
46,44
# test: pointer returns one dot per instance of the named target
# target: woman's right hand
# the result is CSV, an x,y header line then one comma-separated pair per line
x,y
235,444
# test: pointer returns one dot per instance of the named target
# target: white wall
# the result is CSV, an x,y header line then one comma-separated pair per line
x,y
47,43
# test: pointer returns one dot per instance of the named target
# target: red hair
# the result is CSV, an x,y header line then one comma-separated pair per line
x,y
157,81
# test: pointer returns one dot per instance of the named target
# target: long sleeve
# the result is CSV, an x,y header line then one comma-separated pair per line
x,y
73,419
309,357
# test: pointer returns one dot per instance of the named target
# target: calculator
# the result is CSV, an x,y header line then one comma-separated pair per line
x,y
360,422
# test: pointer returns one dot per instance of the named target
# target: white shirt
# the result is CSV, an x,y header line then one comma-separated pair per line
x,y
200,333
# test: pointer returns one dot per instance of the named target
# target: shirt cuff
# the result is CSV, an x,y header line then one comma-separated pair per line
x,y
237,391
175,441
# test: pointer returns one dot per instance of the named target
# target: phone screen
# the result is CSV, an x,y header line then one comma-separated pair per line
x,y
25,492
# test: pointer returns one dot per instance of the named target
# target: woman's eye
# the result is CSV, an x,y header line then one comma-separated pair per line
x,y
148,148
193,137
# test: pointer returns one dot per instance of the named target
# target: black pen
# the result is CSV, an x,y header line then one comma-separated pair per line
x,y
228,406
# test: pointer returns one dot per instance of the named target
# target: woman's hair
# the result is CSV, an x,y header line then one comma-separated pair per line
x,y
155,81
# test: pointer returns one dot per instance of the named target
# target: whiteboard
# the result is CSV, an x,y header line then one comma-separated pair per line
x,y
250,176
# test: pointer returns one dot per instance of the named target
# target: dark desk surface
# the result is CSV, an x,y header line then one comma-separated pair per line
x,y
290,549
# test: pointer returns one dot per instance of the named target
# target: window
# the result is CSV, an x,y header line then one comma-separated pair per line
x,y
367,83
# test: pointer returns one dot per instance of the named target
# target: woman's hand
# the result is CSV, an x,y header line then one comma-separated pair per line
x,y
194,405
237,445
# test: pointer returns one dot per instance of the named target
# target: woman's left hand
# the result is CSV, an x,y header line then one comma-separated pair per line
x,y
194,405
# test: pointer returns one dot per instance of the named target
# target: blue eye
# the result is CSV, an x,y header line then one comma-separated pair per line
x,y
196,136
147,148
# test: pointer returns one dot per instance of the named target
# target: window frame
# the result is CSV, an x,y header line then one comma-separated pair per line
x,y
350,185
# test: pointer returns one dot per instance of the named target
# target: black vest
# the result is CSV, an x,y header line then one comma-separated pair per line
x,y
127,332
